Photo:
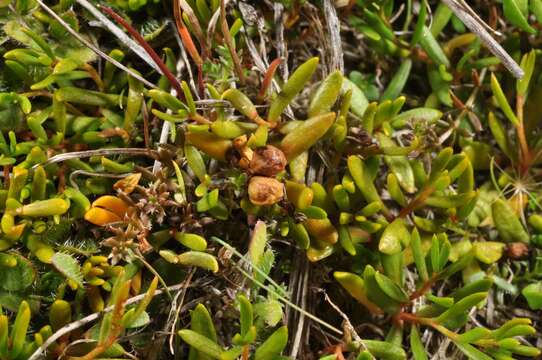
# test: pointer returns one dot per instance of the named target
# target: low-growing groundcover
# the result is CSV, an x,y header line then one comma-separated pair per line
x,y
294,179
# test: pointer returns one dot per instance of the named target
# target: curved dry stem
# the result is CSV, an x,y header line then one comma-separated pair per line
x,y
92,317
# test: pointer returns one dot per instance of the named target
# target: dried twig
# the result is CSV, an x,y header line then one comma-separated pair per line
x,y
335,43
92,317
347,322
177,307
99,152
477,26
282,51
302,292
99,52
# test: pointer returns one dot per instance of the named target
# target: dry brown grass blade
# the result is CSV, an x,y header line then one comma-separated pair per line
x,y
119,34
229,43
96,50
480,29
99,152
334,30
148,49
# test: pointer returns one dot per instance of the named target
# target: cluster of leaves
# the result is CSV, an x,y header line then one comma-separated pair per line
x,y
202,336
411,176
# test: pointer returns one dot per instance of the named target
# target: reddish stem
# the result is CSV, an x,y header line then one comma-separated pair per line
x,y
426,286
146,136
137,36
408,317
339,353
7,169
246,354
524,147
413,205
268,77
334,349
457,102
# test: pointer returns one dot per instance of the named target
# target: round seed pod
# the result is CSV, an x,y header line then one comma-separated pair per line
x,y
265,191
267,161
517,250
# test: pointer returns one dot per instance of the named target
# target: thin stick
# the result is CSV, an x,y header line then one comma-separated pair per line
x,y
301,321
347,322
335,43
164,69
211,27
477,27
178,310
280,44
90,153
99,52
90,318
467,8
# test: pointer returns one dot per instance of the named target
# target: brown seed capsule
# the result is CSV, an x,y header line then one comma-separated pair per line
x,y
240,142
265,191
244,153
517,250
243,163
267,161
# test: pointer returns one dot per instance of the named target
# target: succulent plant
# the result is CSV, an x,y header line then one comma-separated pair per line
x,y
285,172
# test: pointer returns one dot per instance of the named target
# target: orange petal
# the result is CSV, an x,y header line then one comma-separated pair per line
x,y
99,216
112,203
128,184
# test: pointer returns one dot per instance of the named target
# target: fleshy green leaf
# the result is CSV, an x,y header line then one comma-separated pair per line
x,y
201,343
394,237
533,295
273,346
